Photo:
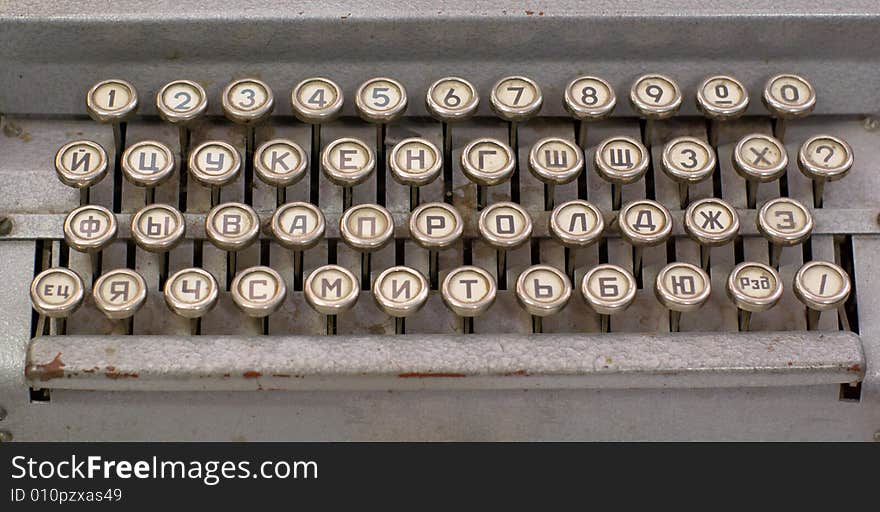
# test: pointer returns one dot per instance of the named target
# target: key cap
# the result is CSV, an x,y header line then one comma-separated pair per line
x,y
821,286
575,224
620,161
711,223
721,98
542,290
415,162
232,227
112,101
366,228
784,222
655,96
119,294
687,161
258,292
347,162
298,226
56,293
90,229
381,100
516,98
148,164
331,290
759,159
644,223
555,161
435,226
589,99
824,158
400,292
280,163
504,226
608,290
753,287
681,287
158,228
316,100
81,164
214,164
181,102
191,293
468,292
487,162
788,96
452,99
247,101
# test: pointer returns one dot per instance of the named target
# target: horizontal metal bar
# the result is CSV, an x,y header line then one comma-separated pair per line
x,y
26,226
685,360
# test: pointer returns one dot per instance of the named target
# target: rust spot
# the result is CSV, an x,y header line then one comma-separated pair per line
x,y
790,363
421,375
540,13
530,13
121,375
111,368
281,375
52,369
226,375
252,375
856,368
516,373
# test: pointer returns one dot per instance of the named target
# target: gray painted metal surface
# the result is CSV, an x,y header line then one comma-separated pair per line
x,y
639,382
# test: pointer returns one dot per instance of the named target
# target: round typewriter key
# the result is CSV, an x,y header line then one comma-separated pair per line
x,y
644,223
687,161
608,289
824,158
452,99
316,100
381,100
504,226
181,101
415,162
90,229
191,293
347,162
468,291
280,163
681,287
555,161
214,164
821,286
158,228
620,161
120,293
575,224
589,98
366,228
232,226
753,287
111,101
57,293
655,96
247,101
298,226
516,98
400,292
722,98
542,290
435,226
331,290
784,222
711,223
81,164
759,159
148,164
487,162
258,291
788,97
